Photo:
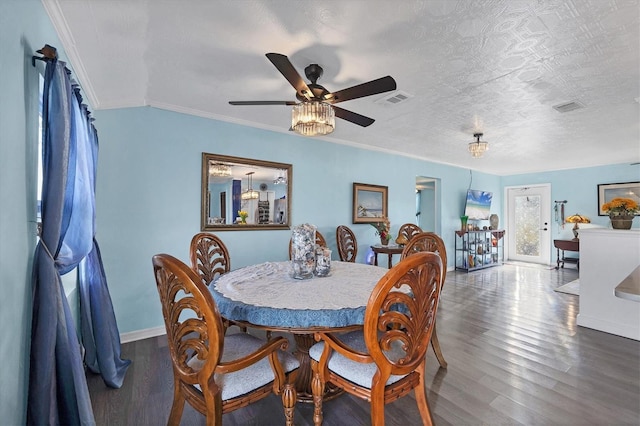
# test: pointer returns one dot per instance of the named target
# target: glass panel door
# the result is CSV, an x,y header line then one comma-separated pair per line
x,y
528,219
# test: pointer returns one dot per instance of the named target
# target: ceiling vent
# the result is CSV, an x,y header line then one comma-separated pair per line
x,y
394,98
569,106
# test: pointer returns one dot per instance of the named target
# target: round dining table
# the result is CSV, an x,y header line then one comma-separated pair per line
x,y
266,296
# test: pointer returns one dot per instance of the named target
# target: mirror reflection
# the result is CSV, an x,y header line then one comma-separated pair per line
x,y
243,193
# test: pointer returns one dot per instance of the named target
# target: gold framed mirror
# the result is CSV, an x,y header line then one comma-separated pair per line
x,y
240,194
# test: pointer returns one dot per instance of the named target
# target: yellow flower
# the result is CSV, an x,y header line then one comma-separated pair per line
x,y
243,214
620,206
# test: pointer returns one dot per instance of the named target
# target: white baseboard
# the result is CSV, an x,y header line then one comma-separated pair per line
x,y
142,334
630,331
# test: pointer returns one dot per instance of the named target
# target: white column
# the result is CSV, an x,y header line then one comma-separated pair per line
x,y
608,256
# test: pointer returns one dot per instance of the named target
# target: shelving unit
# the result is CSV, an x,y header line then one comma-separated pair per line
x,y
479,249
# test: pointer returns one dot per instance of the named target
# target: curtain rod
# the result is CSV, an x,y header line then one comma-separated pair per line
x,y
48,53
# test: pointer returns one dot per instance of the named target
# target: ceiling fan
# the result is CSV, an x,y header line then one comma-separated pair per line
x,y
314,93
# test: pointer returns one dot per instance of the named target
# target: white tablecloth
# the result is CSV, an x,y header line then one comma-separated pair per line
x,y
266,294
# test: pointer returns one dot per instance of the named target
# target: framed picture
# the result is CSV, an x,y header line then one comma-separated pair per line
x,y
609,191
369,203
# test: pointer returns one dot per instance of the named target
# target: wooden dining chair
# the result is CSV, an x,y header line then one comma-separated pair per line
x,y
409,230
347,244
429,241
215,373
320,241
386,359
210,259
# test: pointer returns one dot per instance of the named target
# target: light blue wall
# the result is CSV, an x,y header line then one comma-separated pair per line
x,y
24,28
148,195
580,188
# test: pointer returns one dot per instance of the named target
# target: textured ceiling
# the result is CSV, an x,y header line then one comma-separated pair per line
x,y
495,66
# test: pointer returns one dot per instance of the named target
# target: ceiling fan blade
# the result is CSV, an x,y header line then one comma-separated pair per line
x,y
285,67
372,87
262,102
353,117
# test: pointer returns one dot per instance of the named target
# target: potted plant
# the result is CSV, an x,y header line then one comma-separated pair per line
x,y
621,212
243,216
383,229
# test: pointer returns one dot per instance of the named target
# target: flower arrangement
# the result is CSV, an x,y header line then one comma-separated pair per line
x,y
243,215
383,229
620,207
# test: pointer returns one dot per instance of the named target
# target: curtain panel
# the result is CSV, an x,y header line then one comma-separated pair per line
x,y
58,392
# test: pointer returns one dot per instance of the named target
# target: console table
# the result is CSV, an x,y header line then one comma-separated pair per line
x,y
566,245
389,250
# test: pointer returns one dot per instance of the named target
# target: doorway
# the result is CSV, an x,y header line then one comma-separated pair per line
x,y
427,204
528,220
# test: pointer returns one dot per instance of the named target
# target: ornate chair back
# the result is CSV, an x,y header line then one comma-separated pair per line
x,y
347,244
409,230
197,345
398,323
430,242
319,241
209,257
427,241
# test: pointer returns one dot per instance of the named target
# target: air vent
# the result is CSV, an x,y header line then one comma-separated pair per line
x,y
395,98
569,106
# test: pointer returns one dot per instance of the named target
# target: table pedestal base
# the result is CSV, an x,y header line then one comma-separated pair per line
x,y
305,373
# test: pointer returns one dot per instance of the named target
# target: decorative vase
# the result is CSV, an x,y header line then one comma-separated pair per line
x,y
384,241
494,221
463,222
303,251
621,221
323,262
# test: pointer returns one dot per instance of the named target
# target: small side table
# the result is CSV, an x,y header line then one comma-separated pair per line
x,y
389,250
566,245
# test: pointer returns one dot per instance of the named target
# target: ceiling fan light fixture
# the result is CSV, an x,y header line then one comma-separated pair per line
x,y
313,118
219,170
478,148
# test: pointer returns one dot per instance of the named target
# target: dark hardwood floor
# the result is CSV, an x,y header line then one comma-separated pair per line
x,y
515,354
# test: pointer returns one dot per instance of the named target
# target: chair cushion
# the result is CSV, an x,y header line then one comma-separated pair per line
x,y
244,381
358,373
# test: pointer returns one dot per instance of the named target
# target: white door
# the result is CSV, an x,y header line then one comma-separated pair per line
x,y
529,223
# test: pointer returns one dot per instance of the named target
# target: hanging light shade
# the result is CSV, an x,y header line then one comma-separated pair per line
x,y
249,194
219,170
478,148
313,118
